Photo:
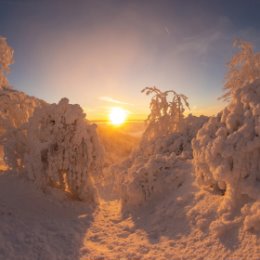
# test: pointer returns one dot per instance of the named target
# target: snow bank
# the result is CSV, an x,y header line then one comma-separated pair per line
x,y
63,150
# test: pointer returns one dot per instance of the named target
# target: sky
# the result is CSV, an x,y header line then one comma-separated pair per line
x,y
101,54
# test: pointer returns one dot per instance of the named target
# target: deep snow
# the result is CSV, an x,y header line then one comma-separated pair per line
x,y
35,225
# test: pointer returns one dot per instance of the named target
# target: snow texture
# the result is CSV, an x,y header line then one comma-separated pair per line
x,y
63,150
35,225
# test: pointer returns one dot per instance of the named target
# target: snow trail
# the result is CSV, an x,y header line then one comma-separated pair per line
x,y
52,227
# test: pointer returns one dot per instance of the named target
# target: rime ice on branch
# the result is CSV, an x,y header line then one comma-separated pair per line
x,y
63,150
227,148
166,114
6,59
15,109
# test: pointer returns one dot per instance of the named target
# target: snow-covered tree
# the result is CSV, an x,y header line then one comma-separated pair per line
x,y
15,110
227,148
166,112
151,169
6,59
63,150
244,68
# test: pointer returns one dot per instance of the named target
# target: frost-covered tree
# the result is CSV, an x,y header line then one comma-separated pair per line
x,y
63,150
6,59
151,169
244,68
227,149
15,110
166,112
157,166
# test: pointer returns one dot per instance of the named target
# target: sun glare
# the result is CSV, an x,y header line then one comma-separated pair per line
x,y
117,116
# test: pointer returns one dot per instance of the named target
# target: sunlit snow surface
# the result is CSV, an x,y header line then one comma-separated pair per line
x,y
50,226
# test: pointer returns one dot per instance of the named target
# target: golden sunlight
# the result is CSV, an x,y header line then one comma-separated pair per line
x,y
117,116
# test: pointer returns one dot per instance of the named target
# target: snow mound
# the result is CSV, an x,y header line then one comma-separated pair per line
x,y
63,150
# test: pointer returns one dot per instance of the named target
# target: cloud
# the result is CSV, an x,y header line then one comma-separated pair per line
x,y
208,39
199,44
112,100
167,30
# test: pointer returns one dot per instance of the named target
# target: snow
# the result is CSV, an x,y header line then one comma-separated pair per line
x,y
156,165
52,226
188,190
35,225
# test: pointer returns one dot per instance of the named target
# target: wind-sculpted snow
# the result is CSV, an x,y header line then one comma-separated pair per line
x,y
63,150
227,148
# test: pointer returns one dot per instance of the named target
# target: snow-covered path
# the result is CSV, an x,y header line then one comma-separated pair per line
x,y
41,226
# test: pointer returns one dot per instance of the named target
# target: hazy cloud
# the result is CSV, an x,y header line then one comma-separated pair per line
x,y
112,100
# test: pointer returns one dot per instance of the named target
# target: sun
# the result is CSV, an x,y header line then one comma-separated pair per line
x,y
117,116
